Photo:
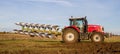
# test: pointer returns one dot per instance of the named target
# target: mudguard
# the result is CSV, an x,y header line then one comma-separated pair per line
x,y
74,27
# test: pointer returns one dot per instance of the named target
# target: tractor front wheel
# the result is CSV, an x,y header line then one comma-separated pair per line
x,y
70,36
97,37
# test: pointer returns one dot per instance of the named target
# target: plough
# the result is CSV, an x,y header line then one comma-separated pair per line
x,y
42,30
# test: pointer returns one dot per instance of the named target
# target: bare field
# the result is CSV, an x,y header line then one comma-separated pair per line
x,y
23,44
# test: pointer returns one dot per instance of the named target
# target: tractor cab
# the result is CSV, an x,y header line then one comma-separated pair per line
x,y
80,23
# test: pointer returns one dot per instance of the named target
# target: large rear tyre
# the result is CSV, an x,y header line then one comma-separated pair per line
x,y
70,36
97,37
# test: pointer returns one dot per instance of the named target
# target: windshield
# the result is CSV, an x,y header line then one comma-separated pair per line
x,y
77,23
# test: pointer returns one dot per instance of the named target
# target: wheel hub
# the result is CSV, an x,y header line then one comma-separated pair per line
x,y
70,36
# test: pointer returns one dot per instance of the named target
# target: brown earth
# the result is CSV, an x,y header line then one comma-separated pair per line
x,y
20,44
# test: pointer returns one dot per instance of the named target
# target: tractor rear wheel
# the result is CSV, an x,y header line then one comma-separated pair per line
x,y
97,37
70,36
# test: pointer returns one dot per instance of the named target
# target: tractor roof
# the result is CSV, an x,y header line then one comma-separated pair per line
x,y
81,18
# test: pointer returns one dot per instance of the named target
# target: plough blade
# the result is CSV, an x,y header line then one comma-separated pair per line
x,y
39,30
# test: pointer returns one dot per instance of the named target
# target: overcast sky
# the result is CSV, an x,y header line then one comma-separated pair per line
x,y
102,12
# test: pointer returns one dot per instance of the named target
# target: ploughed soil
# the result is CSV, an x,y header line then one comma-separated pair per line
x,y
35,45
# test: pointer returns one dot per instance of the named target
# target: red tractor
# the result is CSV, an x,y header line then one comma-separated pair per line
x,y
80,30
